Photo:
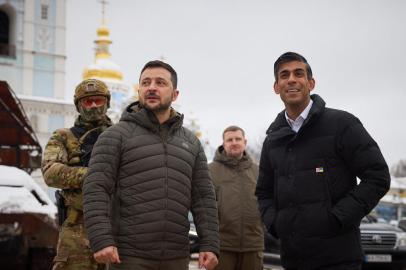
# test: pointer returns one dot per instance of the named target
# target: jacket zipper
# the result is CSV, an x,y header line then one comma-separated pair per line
x,y
242,216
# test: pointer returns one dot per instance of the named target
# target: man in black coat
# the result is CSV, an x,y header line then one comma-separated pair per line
x,y
307,186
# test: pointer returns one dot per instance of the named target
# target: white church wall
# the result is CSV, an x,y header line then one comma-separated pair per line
x,y
59,78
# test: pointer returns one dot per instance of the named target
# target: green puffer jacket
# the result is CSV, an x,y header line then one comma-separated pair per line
x,y
241,229
157,173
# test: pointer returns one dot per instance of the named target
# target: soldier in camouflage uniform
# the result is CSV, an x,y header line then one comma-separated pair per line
x,y
64,166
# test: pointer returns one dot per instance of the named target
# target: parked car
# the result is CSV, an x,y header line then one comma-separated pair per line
x,y
28,228
384,246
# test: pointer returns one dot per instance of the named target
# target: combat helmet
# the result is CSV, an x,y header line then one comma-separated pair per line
x,y
91,87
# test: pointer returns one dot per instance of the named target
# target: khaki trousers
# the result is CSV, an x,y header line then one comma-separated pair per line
x,y
73,251
230,260
134,263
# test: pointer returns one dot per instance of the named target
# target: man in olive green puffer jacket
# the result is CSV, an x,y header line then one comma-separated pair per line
x,y
234,176
150,171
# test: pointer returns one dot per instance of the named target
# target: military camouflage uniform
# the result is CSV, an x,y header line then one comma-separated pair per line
x,y
62,167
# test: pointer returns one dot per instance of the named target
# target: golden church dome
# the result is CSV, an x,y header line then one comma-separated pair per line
x,y
103,67
103,31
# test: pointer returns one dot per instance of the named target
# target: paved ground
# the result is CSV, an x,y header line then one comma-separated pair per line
x,y
193,266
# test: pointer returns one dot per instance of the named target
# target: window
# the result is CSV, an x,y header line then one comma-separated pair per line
x,y
387,211
6,47
4,27
44,12
55,122
4,33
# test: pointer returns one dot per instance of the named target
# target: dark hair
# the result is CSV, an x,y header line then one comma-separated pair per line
x,y
289,57
233,128
160,64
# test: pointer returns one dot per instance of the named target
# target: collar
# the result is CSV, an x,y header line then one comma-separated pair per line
x,y
244,162
303,115
135,112
280,122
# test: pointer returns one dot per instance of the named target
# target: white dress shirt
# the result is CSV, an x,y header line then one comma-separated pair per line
x,y
297,124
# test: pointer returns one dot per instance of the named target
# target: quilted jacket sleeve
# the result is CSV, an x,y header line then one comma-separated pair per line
x,y
99,186
364,159
265,190
204,206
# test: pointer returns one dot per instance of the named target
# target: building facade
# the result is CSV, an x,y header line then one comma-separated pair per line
x,y
32,61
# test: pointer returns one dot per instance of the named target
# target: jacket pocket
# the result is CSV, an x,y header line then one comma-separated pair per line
x,y
310,182
61,257
316,220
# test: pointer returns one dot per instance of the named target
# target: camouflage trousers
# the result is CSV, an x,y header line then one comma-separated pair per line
x,y
73,251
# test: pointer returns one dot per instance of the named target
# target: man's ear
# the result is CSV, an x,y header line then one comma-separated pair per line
x,y
312,84
276,88
175,94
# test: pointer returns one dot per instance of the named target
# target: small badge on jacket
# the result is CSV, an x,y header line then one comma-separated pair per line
x,y
319,170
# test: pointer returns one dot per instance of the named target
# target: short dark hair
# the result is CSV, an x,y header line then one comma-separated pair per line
x,y
161,64
233,128
289,57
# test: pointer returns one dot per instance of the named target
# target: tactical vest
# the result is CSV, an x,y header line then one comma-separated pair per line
x,y
70,201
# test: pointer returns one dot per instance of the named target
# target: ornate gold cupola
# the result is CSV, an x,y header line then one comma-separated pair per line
x,y
103,67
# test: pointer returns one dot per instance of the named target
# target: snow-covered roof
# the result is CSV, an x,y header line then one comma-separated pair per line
x,y
18,192
46,99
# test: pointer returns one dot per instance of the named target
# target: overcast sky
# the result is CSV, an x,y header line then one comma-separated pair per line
x,y
224,51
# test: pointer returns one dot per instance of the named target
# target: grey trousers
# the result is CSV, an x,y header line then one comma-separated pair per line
x,y
134,263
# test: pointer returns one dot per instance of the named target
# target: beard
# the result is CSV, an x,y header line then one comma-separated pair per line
x,y
161,107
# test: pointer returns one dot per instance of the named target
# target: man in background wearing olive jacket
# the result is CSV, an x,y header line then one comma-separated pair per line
x,y
234,176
